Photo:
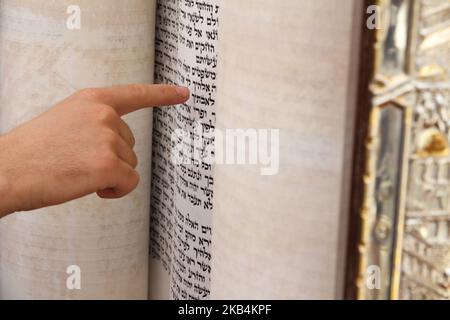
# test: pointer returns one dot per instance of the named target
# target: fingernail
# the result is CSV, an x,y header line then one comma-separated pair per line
x,y
182,92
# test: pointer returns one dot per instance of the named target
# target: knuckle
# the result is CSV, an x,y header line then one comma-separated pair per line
x,y
129,135
134,160
137,89
108,163
134,178
165,90
129,138
89,93
105,114
132,141
109,139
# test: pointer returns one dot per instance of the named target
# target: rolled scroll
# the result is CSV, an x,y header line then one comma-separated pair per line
x,y
284,65
49,49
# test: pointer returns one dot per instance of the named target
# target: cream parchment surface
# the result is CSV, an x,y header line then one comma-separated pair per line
x,y
42,61
284,65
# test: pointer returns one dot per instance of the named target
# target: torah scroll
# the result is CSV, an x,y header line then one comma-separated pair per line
x,y
45,56
284,65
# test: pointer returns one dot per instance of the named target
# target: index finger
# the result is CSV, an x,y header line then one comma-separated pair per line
x,y
128,98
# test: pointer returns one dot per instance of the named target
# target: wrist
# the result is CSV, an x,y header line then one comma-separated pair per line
x,y
5,196
6,185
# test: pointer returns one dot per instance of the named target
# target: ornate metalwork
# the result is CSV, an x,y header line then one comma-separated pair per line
x,y
404,216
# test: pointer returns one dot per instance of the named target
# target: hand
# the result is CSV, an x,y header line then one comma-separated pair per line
x,y
78,147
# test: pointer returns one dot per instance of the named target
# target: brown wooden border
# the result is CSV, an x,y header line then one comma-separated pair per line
x,y
364,104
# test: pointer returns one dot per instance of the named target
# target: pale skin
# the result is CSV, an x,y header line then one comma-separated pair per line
x,y
78,147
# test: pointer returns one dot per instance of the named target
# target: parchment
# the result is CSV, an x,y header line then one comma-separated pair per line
x,y
285,65
180,236
42,61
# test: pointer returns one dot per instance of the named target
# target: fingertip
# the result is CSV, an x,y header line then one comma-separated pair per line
x,y
183,92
